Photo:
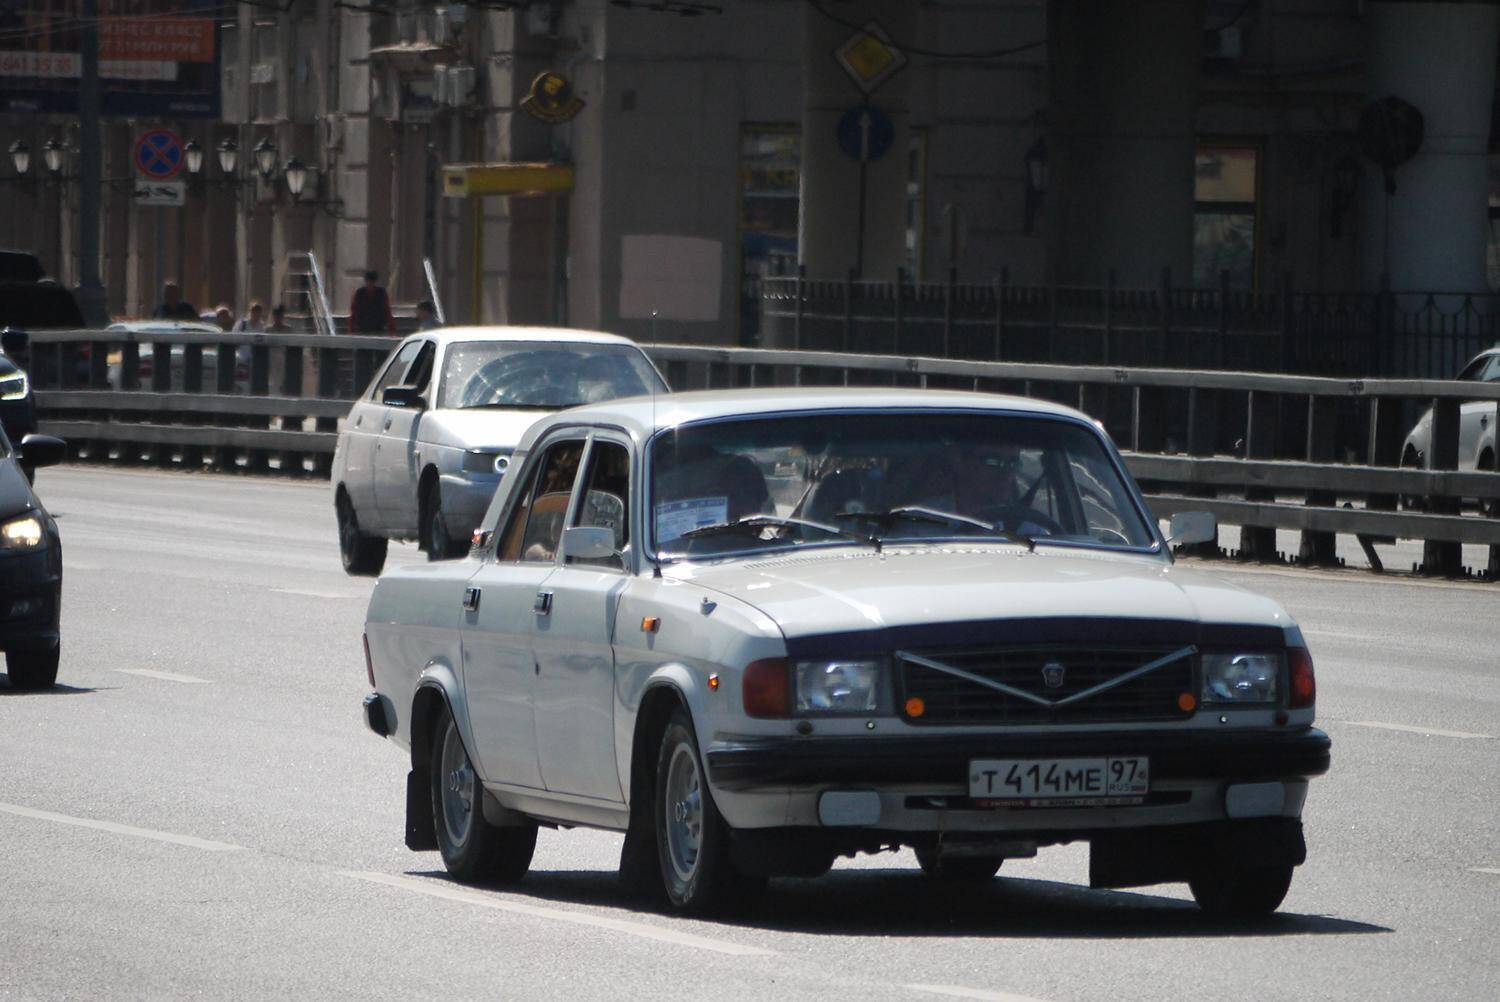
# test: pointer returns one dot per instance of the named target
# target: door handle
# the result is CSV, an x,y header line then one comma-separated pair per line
x,y
471,599
387,424
359,421
543,604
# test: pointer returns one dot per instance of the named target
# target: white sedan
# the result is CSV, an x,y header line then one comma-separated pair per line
x,y
422,451
757,630
1476,427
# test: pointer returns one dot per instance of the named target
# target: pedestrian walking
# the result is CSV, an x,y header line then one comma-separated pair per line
x,y
253,322
370,308
278,321
426,315
173,306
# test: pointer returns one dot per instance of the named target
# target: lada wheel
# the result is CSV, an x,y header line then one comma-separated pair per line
x,y
472,848
958,869
1243,892
32,668
692,840
362,555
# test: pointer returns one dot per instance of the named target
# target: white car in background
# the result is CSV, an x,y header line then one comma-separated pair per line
x,y
143,330
422,451
1476,428
755,630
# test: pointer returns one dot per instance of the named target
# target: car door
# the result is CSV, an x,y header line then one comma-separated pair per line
x,y
362,429
397,456
574,699
499,669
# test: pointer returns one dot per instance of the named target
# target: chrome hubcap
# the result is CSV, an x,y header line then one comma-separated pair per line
x,y
684,810
458,787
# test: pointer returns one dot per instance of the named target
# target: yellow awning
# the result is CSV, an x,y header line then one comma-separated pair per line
x,y
468,180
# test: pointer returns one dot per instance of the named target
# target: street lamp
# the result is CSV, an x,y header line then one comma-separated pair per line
x,y
20,155
296,177
229,156
52,156
193,154
265,158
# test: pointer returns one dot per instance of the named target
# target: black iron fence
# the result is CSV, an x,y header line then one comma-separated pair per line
x,y
1383,333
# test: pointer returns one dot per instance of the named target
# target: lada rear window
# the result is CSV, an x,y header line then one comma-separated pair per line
x,y
834,479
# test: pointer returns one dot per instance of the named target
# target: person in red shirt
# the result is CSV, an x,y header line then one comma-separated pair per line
x,y
370,309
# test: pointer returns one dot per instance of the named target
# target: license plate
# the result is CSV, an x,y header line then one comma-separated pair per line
x,y
1060,782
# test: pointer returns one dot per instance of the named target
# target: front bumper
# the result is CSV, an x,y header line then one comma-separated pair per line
x,y
944,760
30,598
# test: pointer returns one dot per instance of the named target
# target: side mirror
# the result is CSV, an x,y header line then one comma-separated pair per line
x,y
588,542
403,396
41,450
1187,527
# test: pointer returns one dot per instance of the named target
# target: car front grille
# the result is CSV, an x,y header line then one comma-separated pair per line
x,y
948,698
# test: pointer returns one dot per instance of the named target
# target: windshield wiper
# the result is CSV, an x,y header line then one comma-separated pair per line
x,y
516,407
919,513
755,522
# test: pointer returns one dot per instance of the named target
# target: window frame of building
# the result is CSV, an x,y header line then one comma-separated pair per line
x,y
916,204
1210,207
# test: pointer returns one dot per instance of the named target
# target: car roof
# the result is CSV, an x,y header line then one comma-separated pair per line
x,y
646,415
560,335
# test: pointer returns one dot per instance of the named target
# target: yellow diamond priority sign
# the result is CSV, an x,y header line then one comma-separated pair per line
x,y
869,57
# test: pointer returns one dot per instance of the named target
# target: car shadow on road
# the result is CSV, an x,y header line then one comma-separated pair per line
x,y
6,689
880,902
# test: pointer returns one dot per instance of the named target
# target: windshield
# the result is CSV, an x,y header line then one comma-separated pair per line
x,y
543,375
886,476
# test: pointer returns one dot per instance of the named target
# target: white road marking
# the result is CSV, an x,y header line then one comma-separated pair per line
x,y
118,829
1409,729
629,928
309,593
165,676
959,992
1488,869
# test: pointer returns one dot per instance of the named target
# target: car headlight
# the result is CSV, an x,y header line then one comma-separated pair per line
x,y
838,687
22,534
14,386
485,461
1241,678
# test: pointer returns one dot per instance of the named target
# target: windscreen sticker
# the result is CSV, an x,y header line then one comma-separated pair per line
x,y
674,518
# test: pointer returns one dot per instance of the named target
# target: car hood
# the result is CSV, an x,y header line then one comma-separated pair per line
x,y
15,492
842,591
477,429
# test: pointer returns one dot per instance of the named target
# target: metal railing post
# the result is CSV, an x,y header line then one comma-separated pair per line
x,y
1221,354
896,309
1001,284
849,308
948,312
1165,328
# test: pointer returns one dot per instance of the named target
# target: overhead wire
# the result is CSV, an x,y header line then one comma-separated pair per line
x,y
917,50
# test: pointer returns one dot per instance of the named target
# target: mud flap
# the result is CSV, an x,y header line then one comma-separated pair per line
x,y
421,835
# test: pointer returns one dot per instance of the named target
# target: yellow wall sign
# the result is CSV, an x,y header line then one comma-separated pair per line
x,y
551,99
469,180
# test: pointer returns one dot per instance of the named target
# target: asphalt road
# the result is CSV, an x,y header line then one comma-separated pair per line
x,y
200,811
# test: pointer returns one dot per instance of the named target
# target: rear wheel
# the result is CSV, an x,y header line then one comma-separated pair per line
x,y
692,839
1489,506
959,869
435,537
1241,892
1410,461
33,668
473,849
362,555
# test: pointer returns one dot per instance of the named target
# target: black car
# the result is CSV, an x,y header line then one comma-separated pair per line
x,y
17,403
30,566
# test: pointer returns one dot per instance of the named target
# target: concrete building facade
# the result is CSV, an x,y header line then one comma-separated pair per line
x,y
1060,140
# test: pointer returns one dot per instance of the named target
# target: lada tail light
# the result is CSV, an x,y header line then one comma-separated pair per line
x,y
767,688
1303,690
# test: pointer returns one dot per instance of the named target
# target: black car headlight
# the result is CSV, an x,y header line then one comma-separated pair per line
x,y
485,461
24,533
1241,677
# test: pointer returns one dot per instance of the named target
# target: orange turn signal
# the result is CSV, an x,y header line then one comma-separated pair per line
x,y
1187,702
713,682
650,624
915,706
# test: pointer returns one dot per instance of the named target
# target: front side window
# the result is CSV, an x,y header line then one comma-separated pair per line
x,y
824,479
538,375
606,497
536,524
396,369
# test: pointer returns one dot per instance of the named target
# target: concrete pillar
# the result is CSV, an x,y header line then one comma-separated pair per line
x,y
1121,138
827,239
1433,233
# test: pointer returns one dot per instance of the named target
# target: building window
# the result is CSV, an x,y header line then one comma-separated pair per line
x,y
1225,192
770,174
916,185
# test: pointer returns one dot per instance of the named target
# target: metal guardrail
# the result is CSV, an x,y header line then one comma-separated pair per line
x,y
1265,452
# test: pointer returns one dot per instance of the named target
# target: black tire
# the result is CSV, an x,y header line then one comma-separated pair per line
x,y
473,850
1412,502
435,538
959,869
363,555
1488,506
32,669
1244,892
702,881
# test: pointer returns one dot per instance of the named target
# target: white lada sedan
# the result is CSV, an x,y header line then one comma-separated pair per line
x,y
422,451
757,630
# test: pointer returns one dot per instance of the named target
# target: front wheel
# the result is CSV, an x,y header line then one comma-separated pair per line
x,y
435,538
959,869
473,850
692,839
1241,892
32,668
363,555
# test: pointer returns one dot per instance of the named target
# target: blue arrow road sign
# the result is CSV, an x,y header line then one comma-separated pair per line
x,y
865,133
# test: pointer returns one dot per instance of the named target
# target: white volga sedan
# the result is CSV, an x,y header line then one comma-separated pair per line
x,y
425,446
758,630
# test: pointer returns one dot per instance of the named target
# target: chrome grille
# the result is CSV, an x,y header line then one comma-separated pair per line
x,y
951,699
